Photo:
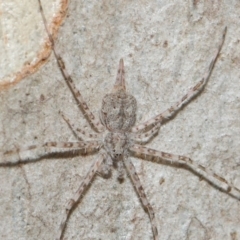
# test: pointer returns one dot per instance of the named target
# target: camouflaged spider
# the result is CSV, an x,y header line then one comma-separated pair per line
x,y
121,138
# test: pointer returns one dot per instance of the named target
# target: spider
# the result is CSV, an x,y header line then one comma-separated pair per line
x,y
122,138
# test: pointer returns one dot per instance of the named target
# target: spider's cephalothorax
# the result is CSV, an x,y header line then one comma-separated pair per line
x,y
117,144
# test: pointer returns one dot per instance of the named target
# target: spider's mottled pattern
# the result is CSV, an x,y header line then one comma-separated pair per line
x,y
122,138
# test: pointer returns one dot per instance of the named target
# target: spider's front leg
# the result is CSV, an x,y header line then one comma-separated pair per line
x,y
218,181
85,183
138,186
77,95
35,152
186,98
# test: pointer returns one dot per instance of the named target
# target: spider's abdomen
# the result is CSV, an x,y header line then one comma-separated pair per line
x,y
119,111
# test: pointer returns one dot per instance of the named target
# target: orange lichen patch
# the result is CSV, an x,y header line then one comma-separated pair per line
x,y
42,55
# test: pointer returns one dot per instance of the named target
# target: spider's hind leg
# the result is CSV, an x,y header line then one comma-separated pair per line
x,y
146,136
95,123
78,132
194,91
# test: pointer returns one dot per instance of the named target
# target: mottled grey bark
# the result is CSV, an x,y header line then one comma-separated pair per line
x,y
166,47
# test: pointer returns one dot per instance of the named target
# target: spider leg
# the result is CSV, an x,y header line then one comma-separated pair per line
x,y
144,137
138,186
187,97
35,152
71,203
77,95
77,131
209,174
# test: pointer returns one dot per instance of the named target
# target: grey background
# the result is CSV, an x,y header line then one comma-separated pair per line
x,y
167,47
